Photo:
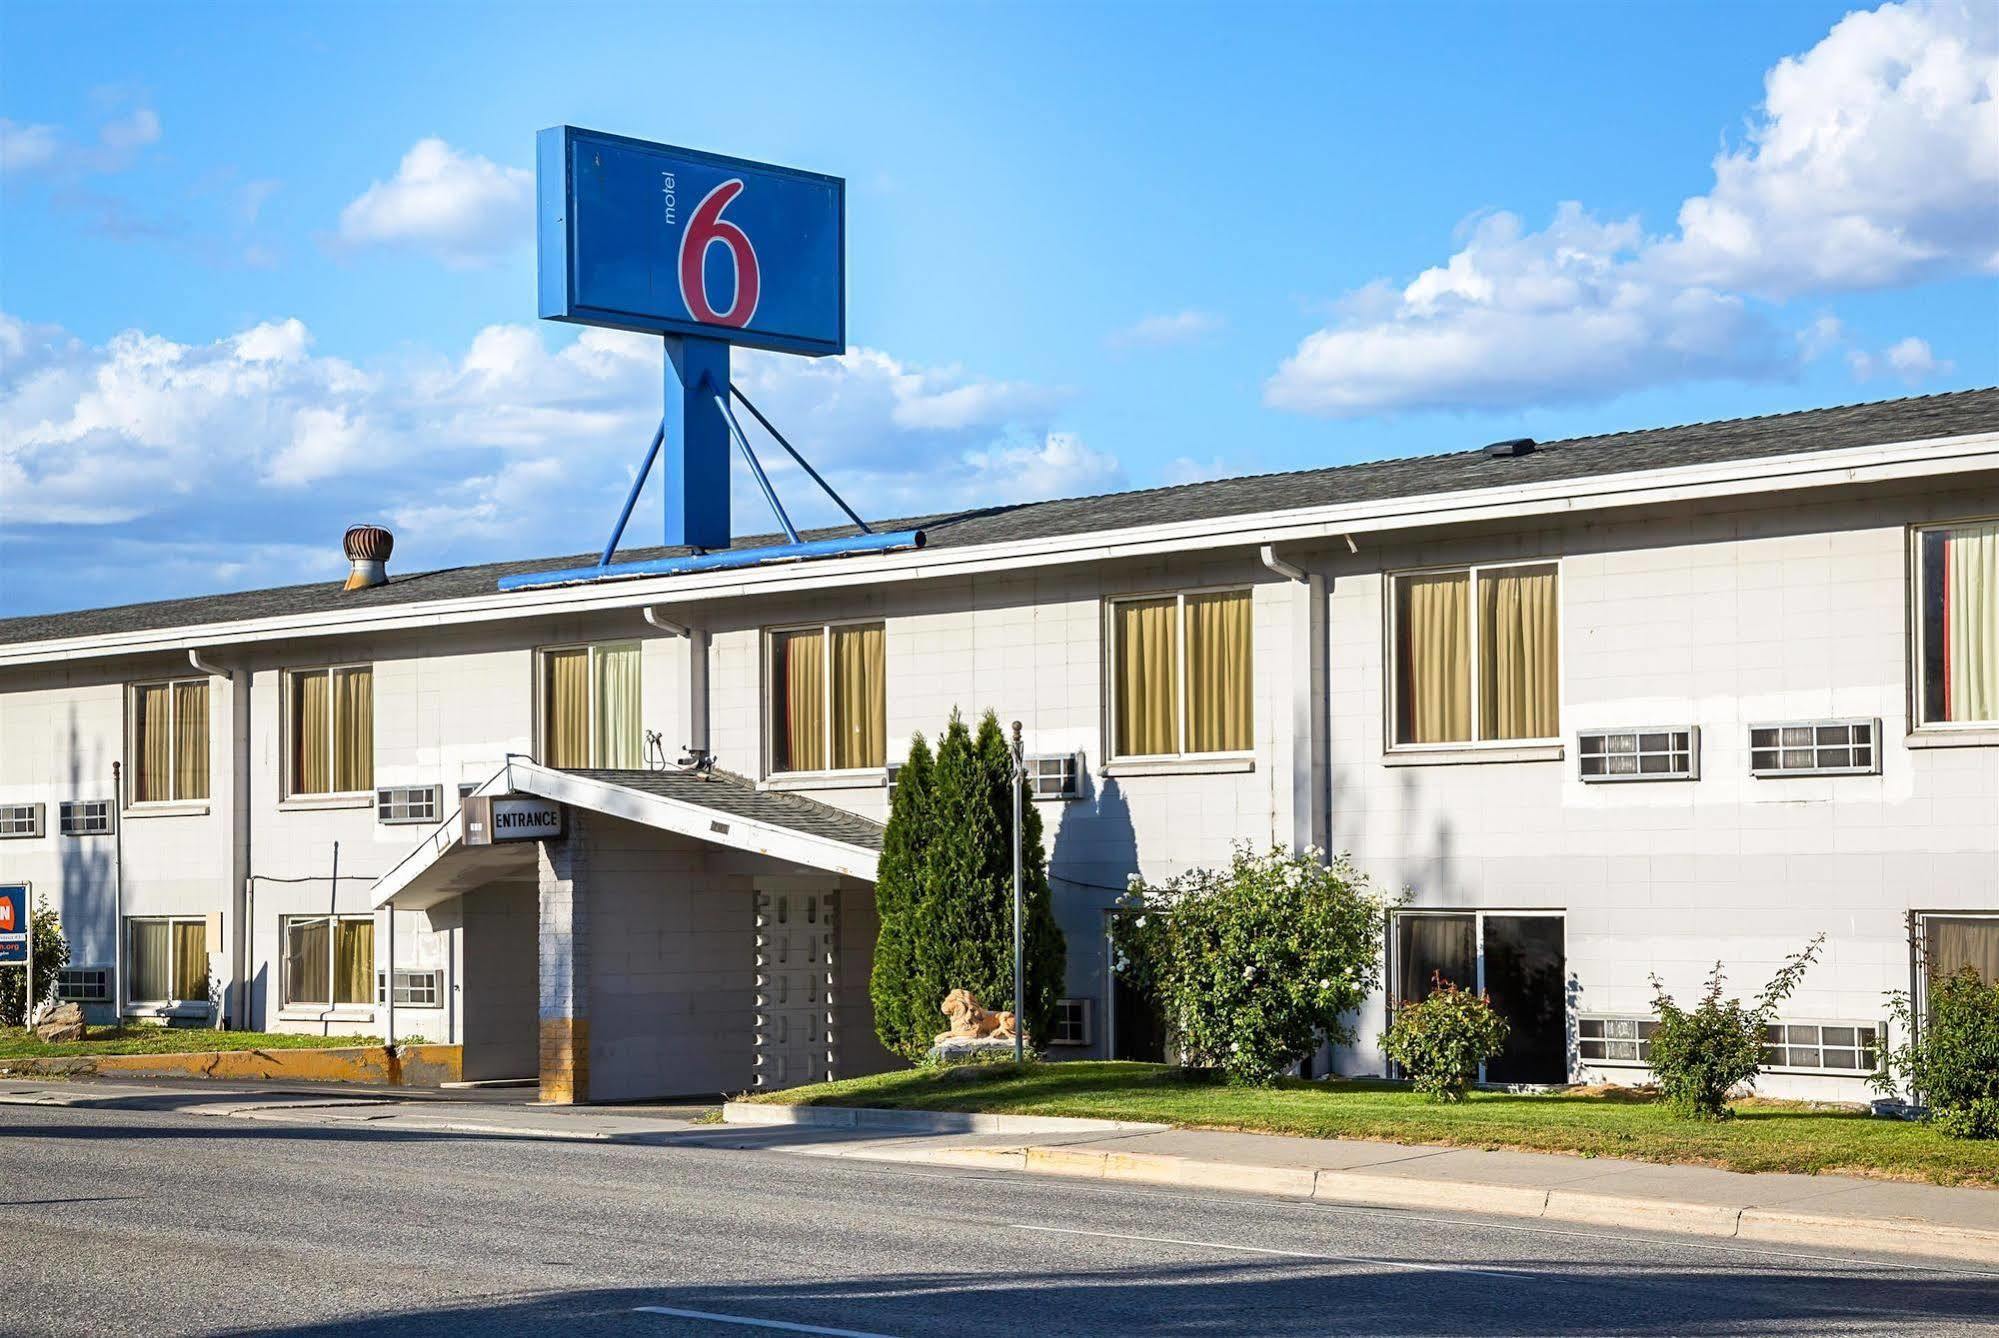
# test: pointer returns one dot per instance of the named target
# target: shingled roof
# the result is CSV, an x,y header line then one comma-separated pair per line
x,y
726,792
1883,422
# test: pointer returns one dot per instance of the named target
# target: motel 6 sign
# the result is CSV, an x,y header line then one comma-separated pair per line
x,y
706,251
14,921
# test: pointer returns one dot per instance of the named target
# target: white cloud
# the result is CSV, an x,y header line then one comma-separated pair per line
x,y
1910,360
460,207
1874,161
27,148
134,130
256,443
1168,328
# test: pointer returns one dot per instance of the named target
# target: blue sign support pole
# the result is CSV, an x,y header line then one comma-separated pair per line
x,y
697,438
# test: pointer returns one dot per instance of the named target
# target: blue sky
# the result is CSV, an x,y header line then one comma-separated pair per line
x,y
269,269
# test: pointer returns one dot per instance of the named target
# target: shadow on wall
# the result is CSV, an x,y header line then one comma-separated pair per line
x,y
85,898
1094,852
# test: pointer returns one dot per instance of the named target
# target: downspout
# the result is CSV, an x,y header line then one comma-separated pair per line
x,y
695,723
241,940
117,897
1311,823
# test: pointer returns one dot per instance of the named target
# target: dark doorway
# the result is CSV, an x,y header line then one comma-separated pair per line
x,y
1138,1030
1523,976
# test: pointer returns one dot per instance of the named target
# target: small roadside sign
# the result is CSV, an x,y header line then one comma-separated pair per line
x,y
14,922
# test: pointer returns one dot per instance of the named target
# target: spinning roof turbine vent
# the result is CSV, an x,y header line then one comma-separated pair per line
x,y
368,548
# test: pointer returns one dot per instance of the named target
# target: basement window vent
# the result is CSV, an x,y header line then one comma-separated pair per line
x,y
20,820
1055,776
84,817
1639,754
1615,1040
407,803
84,984
1823,1047
414,989
1072,1022
1815,748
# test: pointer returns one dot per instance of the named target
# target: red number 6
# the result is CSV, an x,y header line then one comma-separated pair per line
x,y
704,228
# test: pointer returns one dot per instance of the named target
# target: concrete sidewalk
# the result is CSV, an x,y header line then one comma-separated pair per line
x,y
1833,1211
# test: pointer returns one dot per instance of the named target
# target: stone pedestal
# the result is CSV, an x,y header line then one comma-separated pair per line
x,y
959,1049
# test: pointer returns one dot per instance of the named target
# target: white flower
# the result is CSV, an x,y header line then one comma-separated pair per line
x,y
1235,1048
1140,922
1248,971
1325,984
1134,882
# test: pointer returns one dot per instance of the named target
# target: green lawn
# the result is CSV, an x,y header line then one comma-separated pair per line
x,y
1765,1135
18,1044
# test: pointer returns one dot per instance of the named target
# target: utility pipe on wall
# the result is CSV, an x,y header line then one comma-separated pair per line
x,y
242,944
117,896
696,722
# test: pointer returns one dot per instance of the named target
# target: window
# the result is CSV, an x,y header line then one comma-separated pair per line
x,y
166,960
1516,958
407,803
828,698
590,707
19,820
1180,674
1826,1047
1952,942
332,735
84,817
84,984
1615,1040
1957,623
1815,748
1639,754
1072,1022
414,989
169,741
329,961
1476,655
1053,776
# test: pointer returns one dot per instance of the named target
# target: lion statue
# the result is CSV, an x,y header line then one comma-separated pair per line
x,y
970,1022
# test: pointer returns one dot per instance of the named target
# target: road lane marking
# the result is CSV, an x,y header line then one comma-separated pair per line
x,y
1410,1265
748,1323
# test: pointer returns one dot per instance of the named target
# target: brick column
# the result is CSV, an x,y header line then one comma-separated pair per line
x,y
565,965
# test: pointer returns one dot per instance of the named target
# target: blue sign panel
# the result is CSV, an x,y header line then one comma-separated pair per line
x,y
14,924
643,236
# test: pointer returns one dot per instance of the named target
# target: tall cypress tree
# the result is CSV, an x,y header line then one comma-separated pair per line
x,y
945,891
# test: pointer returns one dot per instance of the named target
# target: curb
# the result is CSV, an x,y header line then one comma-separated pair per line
x,y
1762,1225
923,1121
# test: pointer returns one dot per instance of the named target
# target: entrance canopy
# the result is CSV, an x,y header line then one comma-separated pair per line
x,y
720,808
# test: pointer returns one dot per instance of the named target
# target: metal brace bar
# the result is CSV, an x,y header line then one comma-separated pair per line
x,y
756,468
631,498
802,462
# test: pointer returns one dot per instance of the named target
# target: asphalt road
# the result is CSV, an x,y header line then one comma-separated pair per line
x,y
143,1222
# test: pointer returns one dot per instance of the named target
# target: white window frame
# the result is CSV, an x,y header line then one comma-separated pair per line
x,y
1478,915
544,717
1391,648
102,993
1070,767
36,815
332,730
1607,777
825,630
172,948
1918,657
1637,1040
405,990
435,793
65,810
1179,598
285,1001
1919,967
1880,1046
1750,748
133,747
1089,1011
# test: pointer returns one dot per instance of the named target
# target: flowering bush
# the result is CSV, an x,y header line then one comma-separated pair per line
x,y
1951,1060
1443,1039
1253,966
1700,1055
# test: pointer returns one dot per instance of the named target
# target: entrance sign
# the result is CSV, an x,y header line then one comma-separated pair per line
x,y
15,920
642,236
494,818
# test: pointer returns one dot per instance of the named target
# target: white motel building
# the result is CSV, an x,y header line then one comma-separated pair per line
x,y
1607,709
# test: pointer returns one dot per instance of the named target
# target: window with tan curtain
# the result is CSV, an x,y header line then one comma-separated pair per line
x,y
1489,635
333,730
1959,604
1180,670
590,707
170,741
166,961
329,962
828,698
